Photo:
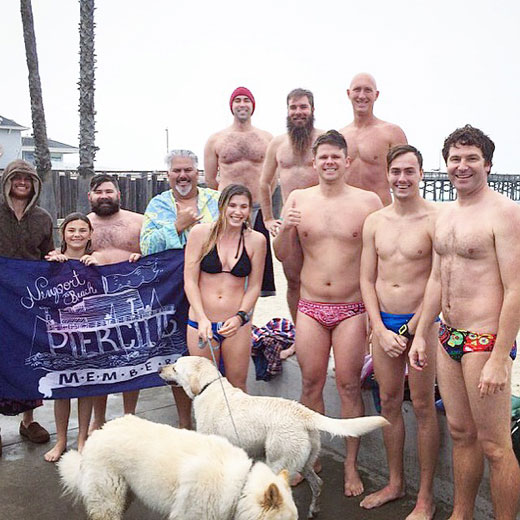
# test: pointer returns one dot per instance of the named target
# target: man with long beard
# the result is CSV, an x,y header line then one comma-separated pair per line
x,y
115,239
289,156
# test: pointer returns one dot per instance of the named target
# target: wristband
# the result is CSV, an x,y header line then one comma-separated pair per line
x,y
243,316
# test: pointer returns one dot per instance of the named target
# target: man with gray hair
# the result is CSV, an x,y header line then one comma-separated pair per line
x,y
168,220
171,214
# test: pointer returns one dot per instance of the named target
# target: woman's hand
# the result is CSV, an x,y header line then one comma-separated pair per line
x,y
56,257
134,257
88,260
205,331
231,326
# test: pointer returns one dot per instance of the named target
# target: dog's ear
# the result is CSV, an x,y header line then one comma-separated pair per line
x,y
272,497
194,382
285,475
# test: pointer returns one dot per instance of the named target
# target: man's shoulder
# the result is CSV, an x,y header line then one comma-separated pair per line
x,y
279,140
346,129
40,212
263,134
503,206
131,216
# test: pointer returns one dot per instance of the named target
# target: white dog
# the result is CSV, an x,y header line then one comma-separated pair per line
x,y
179,473
287,432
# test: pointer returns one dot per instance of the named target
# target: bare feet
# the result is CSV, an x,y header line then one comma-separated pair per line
x,y
55,453
298,477
422,511
353,483
284,354
387,494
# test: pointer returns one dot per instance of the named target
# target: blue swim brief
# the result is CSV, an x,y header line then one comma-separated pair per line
x,y
215,327
394,322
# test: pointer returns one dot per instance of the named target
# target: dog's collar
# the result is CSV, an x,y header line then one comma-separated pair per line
x,y
206,385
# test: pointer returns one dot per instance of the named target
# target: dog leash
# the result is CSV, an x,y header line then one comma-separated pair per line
x,y
223,390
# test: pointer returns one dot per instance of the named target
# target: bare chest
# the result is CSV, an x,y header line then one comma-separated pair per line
x,y
286,158
235,147
368,146
326,221
470,239
403,241
116,236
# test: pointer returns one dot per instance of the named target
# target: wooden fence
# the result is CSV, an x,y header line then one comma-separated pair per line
x,y
137,188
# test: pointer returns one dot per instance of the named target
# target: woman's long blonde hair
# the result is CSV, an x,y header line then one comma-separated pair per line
x,y
220,225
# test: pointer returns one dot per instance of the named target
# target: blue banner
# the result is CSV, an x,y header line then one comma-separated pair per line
x,y
68,330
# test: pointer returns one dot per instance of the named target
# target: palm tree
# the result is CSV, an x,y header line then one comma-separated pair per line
x,y
42,155
87,113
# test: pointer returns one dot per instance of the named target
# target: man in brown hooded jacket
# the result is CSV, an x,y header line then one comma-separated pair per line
x,y
25,233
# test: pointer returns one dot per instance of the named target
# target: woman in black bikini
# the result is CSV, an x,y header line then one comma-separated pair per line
x,y
223,271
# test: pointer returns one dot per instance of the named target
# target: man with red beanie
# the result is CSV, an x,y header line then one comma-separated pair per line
x,y
236,155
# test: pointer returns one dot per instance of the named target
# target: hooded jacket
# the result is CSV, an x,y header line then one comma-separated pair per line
x,y
30,237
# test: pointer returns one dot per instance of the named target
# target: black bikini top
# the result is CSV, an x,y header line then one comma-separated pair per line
x,y
211,263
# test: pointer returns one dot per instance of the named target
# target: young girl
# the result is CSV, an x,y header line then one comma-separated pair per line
x,y
76,233
224,265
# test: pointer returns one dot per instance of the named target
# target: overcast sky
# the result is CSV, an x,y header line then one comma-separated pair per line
x,y
161,64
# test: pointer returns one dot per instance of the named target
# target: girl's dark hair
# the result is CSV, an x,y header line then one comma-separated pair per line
x,y
67,220
220,225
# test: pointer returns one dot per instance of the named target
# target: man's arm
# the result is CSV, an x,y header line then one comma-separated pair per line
x,y
159,231
286,241
48,243
393,344
266,181
431,308
495,373
211,163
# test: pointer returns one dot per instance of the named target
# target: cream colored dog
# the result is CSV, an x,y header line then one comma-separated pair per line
x,y
287,432
179,473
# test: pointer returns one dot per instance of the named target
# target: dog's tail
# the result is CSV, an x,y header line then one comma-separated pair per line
x,y
69,468
348,427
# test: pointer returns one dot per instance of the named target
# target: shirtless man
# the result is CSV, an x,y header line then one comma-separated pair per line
x,y
115,239
475,283
289,157
369,139
325,223
236,154
395,266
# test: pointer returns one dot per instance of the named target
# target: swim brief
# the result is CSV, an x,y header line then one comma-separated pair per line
x,y
330,315
215,327
394,322
457,342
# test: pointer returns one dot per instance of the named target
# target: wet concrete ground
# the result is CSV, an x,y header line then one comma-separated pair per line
x,y
30,489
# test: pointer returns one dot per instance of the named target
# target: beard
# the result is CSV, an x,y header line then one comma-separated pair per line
x,y
300,136
183,191
105,208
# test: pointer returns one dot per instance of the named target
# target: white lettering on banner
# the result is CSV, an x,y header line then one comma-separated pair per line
x,y
101,376
70,292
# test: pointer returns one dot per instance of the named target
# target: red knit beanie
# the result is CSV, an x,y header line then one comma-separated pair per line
x,y
242,91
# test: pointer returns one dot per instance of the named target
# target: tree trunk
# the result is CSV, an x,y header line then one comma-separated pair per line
x,y
87,113
42,155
